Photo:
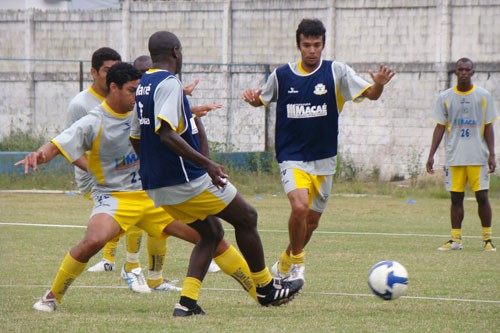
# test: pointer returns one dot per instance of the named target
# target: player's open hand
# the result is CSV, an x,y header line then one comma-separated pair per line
x,y
202,110
384,75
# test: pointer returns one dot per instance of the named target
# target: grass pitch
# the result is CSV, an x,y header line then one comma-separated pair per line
x,y
448,291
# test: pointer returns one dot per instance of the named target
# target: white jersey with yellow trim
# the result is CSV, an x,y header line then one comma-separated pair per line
x,y
465,115
79,107
111,158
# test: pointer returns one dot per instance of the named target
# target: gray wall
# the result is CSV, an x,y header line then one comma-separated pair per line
x,y
230,44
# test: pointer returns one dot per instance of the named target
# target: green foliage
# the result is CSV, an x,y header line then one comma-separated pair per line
x,y
346,169
20,141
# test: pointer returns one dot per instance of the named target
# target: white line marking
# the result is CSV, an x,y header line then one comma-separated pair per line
x,y
260,230
301,293
43,225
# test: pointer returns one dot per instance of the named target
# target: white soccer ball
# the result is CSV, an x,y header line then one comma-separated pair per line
x,y
388,279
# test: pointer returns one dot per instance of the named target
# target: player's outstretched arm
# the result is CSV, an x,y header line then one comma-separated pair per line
x,y
380,79
251,96
43,155
202,110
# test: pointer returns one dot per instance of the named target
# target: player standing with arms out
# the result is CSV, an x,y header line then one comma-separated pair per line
x,y
119,201
310,95
464,115
179,176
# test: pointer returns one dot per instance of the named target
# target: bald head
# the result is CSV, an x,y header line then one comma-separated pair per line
x,y
166,51
162,43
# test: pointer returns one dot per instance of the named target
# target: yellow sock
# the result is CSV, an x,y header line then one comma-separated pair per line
x,y
157,250
233,264
456,235
297,259
133,244
191,288
486,233
134,239
262,278
109,250
69,270
284,262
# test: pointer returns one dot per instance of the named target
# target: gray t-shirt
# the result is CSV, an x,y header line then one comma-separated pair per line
x,y
465,114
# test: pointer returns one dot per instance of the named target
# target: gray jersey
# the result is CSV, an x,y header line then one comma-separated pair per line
x,y
465,114
112,162
79,107
349,86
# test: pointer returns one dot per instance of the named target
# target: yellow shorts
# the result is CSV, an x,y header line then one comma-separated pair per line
x,y
209,202
133,209
458,176
319,187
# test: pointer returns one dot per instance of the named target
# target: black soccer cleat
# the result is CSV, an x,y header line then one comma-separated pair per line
x,y
182,311
279,291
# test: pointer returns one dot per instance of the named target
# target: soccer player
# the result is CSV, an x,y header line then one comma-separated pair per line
x,y
464,115
102,59
119,201
310,95
179,176
156,258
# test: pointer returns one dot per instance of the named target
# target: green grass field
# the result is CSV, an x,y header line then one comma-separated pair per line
x,y
448,292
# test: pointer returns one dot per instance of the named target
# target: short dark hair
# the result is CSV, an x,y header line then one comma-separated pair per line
x,y
464,59
103,54
122,73
311,27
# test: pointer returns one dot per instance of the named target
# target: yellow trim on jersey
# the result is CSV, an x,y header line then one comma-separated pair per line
x,y
359,98
340,98
262,101
455,88
93,92
169,124
300,68
114,113
94,162
63,153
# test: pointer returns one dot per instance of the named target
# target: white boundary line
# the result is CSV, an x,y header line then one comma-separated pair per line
x,y
277,231
260,230
467,300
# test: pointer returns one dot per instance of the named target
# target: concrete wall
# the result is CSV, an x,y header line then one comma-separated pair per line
x,y
231,44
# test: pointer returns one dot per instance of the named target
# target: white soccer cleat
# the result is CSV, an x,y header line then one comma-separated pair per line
x,y
297,272
102,266
135,280
275,272
167,285
45,304
213,268
451,245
